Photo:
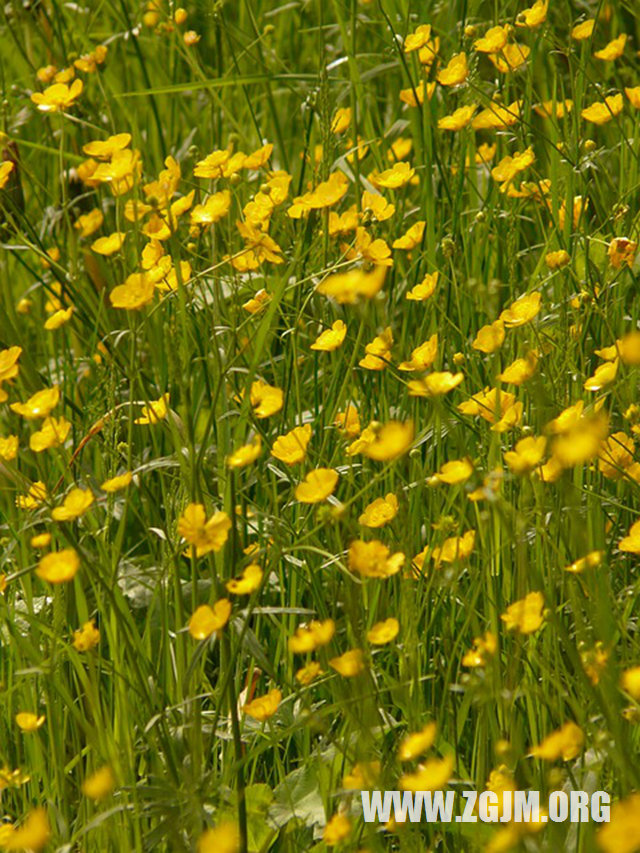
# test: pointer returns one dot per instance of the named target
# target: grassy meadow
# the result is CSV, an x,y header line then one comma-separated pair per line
x,y
319,420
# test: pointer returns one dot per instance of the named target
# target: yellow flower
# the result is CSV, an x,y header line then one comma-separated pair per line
x,y
527,455
557,260
483,647
213,210
631,543
306,674
497,116
75,504
525,615
58,566
246,454
9,448
590,561
613,50
265,399
634,96
411,238
414,95
117,483
490,338
99,784
395,177
347,288
348,422
109,245
265,706
6,167
562,108
493,40
604,375
417,39
155,411
423,356
455,548
37,493
104,149
365,774
433,775
455,73
204,534
40,540
565,743
316,486
629,348
622,833
513,57
332,338
435,384
534,15
53,433
336,830
630,682
388,441
341,120
459,119
58,319
373,559
136,292
509,167
8,368
205,619
349,664
622,251
581,442
223,838
383,632
87,637
291,448
377,205
583,31
425,289
454,472
415,744
29,722
249,581
616,455
601,112
378,351
39,405
57,97
33,834
522,311
380,512
257,302
309,638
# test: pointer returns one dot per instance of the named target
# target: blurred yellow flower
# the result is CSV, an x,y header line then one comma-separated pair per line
x,y
291,448
75,504
565,743
265,706
206,619
58,566
383,632
349,664
99,784
415,744
525,615
316,486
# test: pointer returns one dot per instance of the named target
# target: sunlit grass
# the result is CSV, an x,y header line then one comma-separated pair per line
x,y
333,323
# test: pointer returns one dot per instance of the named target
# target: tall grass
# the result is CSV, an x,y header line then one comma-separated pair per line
x,y
164,710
